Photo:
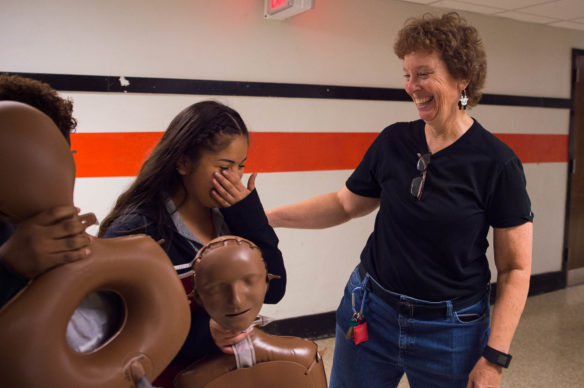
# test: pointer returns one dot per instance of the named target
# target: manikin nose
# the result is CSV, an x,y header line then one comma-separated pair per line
x,y
236,294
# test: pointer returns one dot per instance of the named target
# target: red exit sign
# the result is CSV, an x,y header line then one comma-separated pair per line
x,y
275,4
283,9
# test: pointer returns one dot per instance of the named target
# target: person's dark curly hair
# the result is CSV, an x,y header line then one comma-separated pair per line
x,y
41,96
455,41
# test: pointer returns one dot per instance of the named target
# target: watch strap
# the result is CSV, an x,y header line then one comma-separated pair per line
x,y
497,357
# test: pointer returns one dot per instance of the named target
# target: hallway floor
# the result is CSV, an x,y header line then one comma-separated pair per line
x,y
548,347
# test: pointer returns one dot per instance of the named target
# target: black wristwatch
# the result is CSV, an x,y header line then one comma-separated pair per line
x,y
497,357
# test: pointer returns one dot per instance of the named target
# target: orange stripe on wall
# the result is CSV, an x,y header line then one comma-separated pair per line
x,y
122,153
312,151
538,148
112,154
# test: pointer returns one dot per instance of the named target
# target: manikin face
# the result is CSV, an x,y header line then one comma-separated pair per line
x,y
230,280
198,176
430,85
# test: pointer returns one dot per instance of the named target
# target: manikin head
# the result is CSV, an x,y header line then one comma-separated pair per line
x,y
35,159
231,281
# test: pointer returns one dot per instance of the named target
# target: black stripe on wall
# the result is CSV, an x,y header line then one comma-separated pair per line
x,y
113,84
323,325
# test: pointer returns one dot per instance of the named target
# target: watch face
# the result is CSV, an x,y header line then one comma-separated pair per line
x,y
502,359
497,357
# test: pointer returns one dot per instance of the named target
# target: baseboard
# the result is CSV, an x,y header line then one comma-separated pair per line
x,y
308,326
575,276
547,282
323,325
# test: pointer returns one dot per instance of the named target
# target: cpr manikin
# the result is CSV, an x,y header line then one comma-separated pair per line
x,y
231,280
37,173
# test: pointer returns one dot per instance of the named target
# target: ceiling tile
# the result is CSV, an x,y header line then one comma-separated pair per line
x,y
548,12
505,4
466,7
420,1
561,9
524,17
570,25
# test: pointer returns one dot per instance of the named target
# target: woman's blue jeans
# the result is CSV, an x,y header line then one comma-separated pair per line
x,y
432,353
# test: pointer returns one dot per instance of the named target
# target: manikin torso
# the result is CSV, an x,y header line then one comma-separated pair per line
x,y
283,362
37,173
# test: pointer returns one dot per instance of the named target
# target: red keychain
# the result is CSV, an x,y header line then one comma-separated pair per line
x,y
357,325
360,333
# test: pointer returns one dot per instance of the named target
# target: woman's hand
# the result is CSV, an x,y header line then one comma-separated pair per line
x,y
485,375
224,338
228,189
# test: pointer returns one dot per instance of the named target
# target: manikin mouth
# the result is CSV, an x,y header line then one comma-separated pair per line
x,y
237,314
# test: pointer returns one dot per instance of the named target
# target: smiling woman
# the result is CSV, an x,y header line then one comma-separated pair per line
x,y
457,45
444,69
440,183
435,92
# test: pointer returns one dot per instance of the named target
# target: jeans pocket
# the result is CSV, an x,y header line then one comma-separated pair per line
x,y
472,314
468,317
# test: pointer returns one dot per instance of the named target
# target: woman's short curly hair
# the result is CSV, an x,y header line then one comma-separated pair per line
x,y
455,41
41,96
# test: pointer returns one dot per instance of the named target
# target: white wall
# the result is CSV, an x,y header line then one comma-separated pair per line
x,y
339,42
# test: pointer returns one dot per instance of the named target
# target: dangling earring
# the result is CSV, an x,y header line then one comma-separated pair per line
x,y
463,101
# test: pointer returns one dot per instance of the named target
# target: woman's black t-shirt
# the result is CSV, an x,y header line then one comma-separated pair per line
x,y
435,248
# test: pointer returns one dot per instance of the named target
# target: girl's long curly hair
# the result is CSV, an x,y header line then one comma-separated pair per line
x,y
201,126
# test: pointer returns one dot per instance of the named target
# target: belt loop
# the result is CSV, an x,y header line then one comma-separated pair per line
x,y
363,287
410,306
366,280
449,308
365,290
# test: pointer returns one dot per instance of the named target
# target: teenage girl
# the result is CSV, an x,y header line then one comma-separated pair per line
x,y
188,192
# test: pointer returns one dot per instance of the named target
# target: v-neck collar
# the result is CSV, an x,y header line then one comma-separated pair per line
x,y
182,228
